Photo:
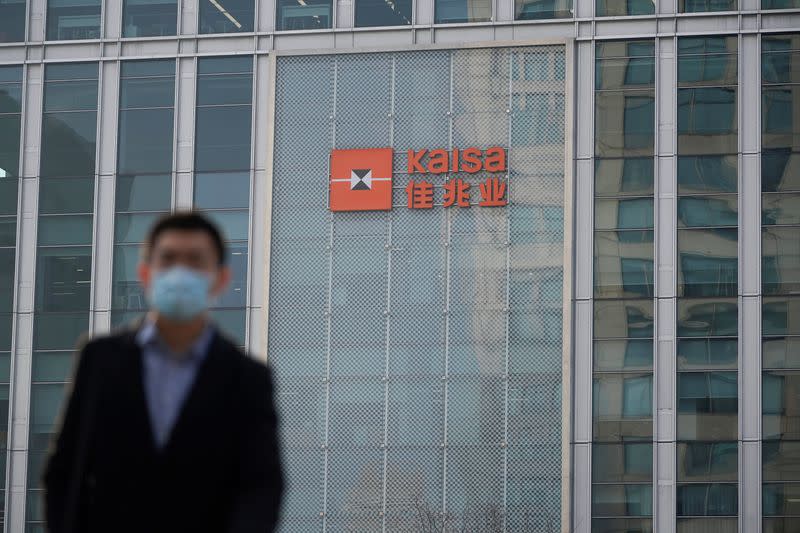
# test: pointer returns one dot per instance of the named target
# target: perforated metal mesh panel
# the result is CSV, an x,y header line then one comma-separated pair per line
x,y
418,353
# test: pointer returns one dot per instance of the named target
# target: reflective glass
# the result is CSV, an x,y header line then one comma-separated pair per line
x,y
221,189
8,196
708,317
623,264
710,113
623,177
624,123
309,15
127,292
615,525
707,69
70,71
707,499
781,499
623,213
780,249
780,398
71,95
780,209
780,4
65,229
9,145
643,48
781,460
450,11
12,21
781,525
52,366
132,228
146,18
145,141
542,9
66,195
708,461
778,128
779,67
143,193
7,262
222,140
226,16
45,406
145,68
707,405
623,319
5,330
225,65
59,331
622,407
708,211
225,89
379,13
231,322
781,352
147,92
707,173
236,295
780,316
621,8
233,224
708,262
8,231
622,354
707,354
622,500
697,6
73,19
624,73
63,278
622,463
68,144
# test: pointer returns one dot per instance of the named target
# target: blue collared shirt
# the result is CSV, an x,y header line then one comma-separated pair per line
x,y
168,378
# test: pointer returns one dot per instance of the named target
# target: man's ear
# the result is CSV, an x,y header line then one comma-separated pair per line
x,y
222,280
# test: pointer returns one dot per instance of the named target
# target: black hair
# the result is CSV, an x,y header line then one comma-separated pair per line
x,y
186,221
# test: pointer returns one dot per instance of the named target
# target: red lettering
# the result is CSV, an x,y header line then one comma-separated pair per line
x,y
454,161
438,162
414,163
495,159
471,162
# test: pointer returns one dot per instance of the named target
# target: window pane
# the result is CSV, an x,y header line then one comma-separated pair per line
x,y
707,354
707,405
45,407
781,460
781,499
230,16
63,277
9,146
73,19
12,21
128,293
706,499
781,352
622,500
624,123
708,211
145,141
5,330
7,261
133,228
779,66
8,196
221,190
542,9
623,264
627,213
707,262
622,463
379,13
707,120
145,68
65,229
708,461
8,231
53,366
225,64
780,248
145,18
231,322
622,407
143,193
633,354
623,319
223,138
147,92
780,209
623,177
785,524
70,71
621,8
707,173
624,72
615,525
236,295
450,11
233,224
707,69
707,317
71,95
224,89
780,316
780,393
778,128
59,331
68,144
696,6
66,195
313,15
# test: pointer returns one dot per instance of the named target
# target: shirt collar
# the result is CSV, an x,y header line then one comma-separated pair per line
x,y
148,336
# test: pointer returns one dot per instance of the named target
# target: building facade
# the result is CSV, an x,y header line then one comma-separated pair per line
x,y
575,308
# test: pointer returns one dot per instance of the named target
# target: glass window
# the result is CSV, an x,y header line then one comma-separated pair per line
x,y
778,128
708,211
623,354
306,15
622,463
697,6
781,499
542,9
622,407
781,209
780,273
221,190
708,262
448,11
63,279
779,4
7,262
624,123
12,21
223,138
54,367
226,16
8,196
65,229
66,195
707,499
59,331
68,144
707,173
10,119
708,461
622,500
781,352
380,13
73,19
145,141
623,264
623,177
623,213
707,69
128,293
147,18
710,317
143,193
132,228
707,354
707,405
621,8
780,316
780,400
623,319
781,460
709,112
615,525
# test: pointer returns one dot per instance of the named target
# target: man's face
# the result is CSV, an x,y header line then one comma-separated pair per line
x,y
190,249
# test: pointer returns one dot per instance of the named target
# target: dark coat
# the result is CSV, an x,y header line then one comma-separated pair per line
x,y
218,473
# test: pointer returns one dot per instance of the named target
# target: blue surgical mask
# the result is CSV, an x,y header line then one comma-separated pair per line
x,y
180,293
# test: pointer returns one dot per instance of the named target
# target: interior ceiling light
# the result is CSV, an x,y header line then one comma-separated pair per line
x,y
224,12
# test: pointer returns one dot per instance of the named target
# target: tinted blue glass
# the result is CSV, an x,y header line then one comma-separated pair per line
x,y
147,92
712,69
708,461
542,9
707,318
779,4
222,139
707,499
621,463
777,109
66,195
225,65
309,15
618,8
380,13
622,500
222,190
12,21
9,145
226,16
127,292
708,111
779,67
147,67
63,276
707,264
68,144
71,71
451,11
145,141
623,177
73,19
7,261
147,18
708,211
224,89
143,193
71,95
707,173
8,196
707,353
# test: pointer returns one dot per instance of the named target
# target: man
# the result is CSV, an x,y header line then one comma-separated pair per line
x,y
169,427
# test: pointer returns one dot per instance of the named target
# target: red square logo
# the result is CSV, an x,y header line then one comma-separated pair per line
x,y
361,180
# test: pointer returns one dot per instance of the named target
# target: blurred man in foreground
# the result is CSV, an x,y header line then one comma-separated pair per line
x,y
169,427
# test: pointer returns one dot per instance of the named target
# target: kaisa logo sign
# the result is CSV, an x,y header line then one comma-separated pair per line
x,y
361,179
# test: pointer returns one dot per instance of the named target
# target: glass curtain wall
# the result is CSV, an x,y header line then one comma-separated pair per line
x,y
73,19
621,8
64,251
12,21
780,271
226,16
149,18
622,420
707,327
542,9
10,119
143,189
450,11
697,6
304,14
222,171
